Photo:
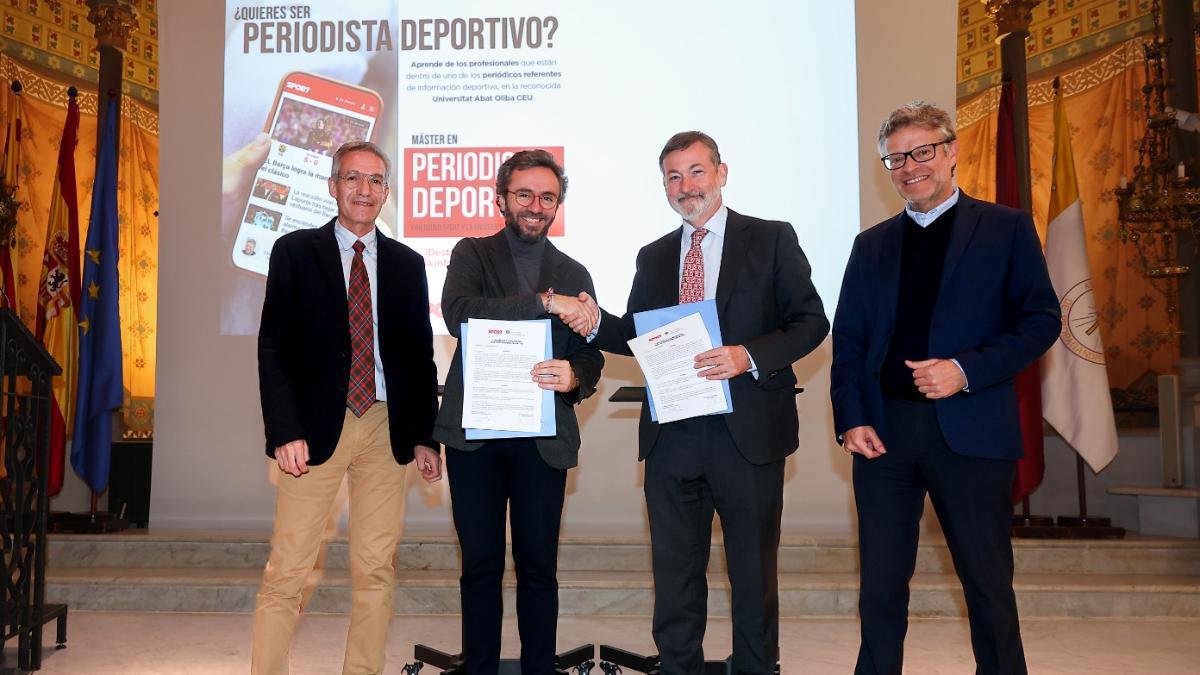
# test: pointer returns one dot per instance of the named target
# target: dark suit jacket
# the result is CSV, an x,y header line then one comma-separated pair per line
x,y
304,344
765,301
481,283
996,313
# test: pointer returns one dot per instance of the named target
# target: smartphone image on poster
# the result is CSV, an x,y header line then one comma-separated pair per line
x,y
311,118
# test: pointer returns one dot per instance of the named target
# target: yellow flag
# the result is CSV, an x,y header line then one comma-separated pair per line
x,y
1075,396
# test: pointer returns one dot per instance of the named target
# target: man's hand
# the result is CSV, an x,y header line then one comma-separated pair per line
x,y
428,462
723,363
555,375
576,312
237,177
591,312
864,441
937,378
293,457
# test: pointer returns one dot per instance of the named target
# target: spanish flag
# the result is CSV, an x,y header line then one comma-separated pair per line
x,y
58,295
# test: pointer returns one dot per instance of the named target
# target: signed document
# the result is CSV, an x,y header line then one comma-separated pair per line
x,y
667,357
498,392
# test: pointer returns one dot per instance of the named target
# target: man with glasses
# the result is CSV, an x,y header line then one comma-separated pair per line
x,y
516,274
349,387
941,306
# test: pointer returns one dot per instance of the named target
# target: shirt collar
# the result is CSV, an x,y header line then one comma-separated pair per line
x,y
346,238
924,219
715,224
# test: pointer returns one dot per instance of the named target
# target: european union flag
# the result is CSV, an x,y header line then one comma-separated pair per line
x,y
100,389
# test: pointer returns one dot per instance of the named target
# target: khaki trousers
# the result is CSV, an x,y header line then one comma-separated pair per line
x,y
274,474
302,508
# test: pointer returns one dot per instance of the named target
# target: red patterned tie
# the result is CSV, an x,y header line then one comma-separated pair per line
x,y
362,337
691,284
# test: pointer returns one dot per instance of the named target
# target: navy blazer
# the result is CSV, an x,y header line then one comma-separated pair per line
x,y
766,302
304,344
996,312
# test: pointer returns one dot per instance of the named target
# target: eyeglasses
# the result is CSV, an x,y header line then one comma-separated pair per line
x,y
354,179
548,200
921,154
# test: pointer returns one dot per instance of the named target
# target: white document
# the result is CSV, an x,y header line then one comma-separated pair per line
x,y
498,390
667,356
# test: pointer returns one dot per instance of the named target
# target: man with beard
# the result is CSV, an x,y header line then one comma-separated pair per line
x,y
770,316
516,274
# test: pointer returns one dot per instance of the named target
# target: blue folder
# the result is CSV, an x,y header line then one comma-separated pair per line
x,y
549,425
644,322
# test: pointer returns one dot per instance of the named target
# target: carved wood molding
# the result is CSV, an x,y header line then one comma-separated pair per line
x,y
114,21
1011,16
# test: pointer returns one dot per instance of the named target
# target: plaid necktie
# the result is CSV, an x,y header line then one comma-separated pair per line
x,y
691,284
361,393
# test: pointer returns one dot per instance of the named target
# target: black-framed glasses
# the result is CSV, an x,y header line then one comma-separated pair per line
x,y
548,200
354,179
921,154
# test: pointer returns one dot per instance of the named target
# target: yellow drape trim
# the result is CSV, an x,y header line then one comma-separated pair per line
x,y
43,114
1103,104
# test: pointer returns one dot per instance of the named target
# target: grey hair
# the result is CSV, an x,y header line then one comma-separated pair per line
x,y
915,114
359,146
684,140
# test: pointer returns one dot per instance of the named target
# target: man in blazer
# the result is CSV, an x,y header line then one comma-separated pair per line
x,y
516,274
770,317
349,386
941,307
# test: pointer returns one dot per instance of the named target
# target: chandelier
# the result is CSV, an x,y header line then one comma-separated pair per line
x,y
1159,207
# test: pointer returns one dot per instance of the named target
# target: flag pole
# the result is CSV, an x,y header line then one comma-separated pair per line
x,y
1075,371
1084,526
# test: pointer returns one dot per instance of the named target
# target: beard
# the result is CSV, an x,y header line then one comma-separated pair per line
x,y
692,204
525,232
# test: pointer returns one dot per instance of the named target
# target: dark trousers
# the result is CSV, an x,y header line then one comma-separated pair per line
x,y
693,470
972,498
484,484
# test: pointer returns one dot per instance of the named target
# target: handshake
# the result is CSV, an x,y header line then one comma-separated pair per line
x,y
581,313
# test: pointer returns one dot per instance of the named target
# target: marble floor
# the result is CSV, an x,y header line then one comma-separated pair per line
x,y
129,643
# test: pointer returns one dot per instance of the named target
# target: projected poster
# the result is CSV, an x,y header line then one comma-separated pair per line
x,y
451,89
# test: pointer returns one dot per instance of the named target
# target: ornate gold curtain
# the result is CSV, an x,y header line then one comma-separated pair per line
x,y
1103,99
43,104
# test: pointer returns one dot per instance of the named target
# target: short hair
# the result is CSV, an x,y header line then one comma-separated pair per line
x,y
915,114
530,159
359,146
684,140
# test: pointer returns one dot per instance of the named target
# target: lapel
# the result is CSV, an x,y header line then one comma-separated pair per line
x,y
384,268
551,260
733,250
888,263
663,264
965,222
502,262
331,264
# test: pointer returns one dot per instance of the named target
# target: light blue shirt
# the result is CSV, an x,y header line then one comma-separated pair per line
x,y
345,240
925,219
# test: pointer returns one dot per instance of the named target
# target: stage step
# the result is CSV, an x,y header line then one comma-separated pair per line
x,y
797,554
220,572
